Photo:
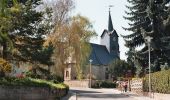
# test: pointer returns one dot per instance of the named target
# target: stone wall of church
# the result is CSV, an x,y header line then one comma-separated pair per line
x,y
98,72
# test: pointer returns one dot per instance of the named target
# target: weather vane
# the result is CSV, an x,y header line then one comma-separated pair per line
x,y
110,6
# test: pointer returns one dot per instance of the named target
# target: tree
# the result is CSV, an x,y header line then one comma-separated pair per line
x,y
73,43
120,68
6,25
25,30
148,18
4,67
80,31
70,37
33,29
137,17
60,15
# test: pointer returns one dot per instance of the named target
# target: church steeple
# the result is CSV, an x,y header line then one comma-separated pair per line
x,y
109,38
110,25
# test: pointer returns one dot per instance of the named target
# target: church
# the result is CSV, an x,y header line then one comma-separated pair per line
x,y
101,55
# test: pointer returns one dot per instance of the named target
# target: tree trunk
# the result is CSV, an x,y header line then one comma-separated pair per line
x,y
2,74
4,52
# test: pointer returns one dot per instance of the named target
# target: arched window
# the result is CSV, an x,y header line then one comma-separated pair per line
x,y
67,73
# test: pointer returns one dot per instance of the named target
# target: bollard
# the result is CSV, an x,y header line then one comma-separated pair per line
x,y
76,96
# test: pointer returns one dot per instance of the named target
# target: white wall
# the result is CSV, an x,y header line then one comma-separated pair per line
x,y
105,40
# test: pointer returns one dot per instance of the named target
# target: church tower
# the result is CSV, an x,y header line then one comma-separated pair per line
x,y
114,45
109,38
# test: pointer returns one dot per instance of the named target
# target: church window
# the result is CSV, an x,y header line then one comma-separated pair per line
x,y
106,76
106,69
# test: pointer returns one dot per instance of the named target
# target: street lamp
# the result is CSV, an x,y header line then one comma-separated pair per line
x,y
90,73
148,38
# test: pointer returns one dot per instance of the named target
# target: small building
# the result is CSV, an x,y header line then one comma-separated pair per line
x,y
101,55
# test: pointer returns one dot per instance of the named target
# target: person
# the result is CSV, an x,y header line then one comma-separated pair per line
x,y
121,87
125,86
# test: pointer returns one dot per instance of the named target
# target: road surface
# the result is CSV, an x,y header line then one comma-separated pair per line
x,y
98,94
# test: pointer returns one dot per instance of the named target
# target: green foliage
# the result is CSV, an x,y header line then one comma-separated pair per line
x,y
160,82
72,43
32,28
44,55
5,66
11,81
23,30
46,74
165,66
149,18
104,84
139,69
6,25
30,82
120,68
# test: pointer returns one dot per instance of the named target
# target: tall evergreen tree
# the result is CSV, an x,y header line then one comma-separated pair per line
x,y
6,18
149,18
137,17
29,32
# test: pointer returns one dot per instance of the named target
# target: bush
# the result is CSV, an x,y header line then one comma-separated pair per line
x,y
55,89
104,84
12,81
5,67
160,82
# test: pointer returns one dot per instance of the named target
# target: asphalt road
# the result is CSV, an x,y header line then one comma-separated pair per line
x,y
97,94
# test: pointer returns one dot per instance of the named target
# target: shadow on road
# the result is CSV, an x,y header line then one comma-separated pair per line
x,y
97,94
83,91
94,95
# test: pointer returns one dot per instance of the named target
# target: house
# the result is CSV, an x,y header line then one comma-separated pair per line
x,y
101,55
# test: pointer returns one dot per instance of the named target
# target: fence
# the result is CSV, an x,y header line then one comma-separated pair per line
x,y
136,85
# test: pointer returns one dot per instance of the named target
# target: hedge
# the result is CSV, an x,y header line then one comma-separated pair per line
x,y
30,82
12,81
160,82
104,84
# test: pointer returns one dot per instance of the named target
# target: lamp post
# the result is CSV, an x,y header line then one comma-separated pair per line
x,y
148,38
90,73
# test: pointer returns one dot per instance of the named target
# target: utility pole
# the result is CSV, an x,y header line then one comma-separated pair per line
x,y
90,73
148,38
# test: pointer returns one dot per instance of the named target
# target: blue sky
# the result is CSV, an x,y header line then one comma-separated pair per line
x,y
97,12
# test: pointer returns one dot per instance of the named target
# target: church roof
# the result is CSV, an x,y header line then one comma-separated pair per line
x,y
110,29
100,55
110,24
105,31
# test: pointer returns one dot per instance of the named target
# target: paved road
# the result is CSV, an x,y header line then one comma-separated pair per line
x,y
98,94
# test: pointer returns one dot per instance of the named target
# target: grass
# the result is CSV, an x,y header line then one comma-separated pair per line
x,y
11,81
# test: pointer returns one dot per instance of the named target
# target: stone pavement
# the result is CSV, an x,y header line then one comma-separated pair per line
x,y
100,94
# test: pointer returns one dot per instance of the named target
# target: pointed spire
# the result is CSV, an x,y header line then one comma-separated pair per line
x,y
110,25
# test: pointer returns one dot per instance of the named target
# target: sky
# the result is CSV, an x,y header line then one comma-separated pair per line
x,y
98,11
